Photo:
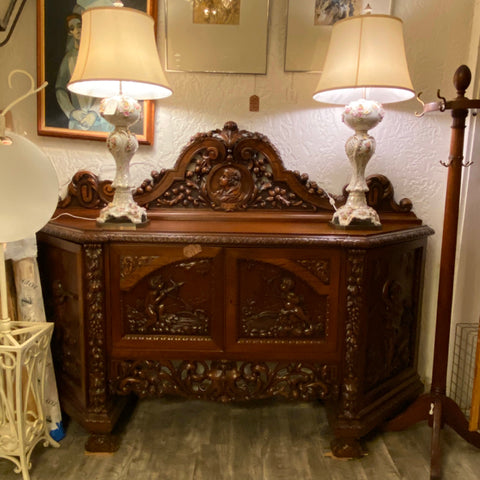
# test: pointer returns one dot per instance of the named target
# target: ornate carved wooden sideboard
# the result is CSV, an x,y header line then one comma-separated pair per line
x,y
237,289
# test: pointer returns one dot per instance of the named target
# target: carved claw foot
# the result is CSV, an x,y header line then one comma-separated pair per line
x,y
346,448
102,443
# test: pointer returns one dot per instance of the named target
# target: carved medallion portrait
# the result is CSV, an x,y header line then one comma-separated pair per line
x,y
230,186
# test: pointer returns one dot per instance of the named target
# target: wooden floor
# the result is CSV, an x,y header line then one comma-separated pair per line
x,y
188,440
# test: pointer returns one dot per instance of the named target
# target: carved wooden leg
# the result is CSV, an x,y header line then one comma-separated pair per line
x,y
102,442
106,428
343,447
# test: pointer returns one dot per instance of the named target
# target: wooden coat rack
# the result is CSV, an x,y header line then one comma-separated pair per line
x,y
435,406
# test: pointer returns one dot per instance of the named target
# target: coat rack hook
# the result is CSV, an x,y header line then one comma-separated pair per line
x,y
422,113
30,91
419,100
443,102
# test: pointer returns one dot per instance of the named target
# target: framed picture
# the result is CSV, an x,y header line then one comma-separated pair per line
x,y
61,113
309,25
216,36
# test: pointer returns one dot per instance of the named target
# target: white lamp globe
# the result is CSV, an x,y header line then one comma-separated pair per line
x,y
28,188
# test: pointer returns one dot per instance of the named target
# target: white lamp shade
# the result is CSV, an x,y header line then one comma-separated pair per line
x,y
118,45
23,166
365,59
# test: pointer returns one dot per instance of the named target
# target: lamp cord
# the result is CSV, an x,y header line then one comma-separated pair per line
x,y
66,214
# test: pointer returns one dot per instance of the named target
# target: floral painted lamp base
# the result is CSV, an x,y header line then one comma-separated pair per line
x,y
361,116
122,112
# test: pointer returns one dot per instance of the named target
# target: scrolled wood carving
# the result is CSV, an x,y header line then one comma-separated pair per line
x,y
95,318
152,315
289,309
66,335
162,305
395,309
351,382
234,169
380,196
230,169
224,380
224,169
86,190
128,264
286,318
399,319
318,267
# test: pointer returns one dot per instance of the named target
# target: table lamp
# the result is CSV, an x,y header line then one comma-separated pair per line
x,y
365,65
118,61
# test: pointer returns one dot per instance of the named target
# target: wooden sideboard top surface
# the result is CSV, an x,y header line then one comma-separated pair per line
x,y
230,228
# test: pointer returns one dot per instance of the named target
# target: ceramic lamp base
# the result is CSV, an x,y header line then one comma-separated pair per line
x,y
122,112
356,217
361,116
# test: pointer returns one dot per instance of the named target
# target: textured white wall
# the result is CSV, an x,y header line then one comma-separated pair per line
x,y
309,136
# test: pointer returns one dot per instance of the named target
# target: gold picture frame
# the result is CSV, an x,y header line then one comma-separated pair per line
x,y
217,36
57,25
309,26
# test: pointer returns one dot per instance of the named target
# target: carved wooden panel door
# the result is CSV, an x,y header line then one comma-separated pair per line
x,y
283,302
168,296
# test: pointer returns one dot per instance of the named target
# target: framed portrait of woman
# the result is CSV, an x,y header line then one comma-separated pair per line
x,y
61,113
